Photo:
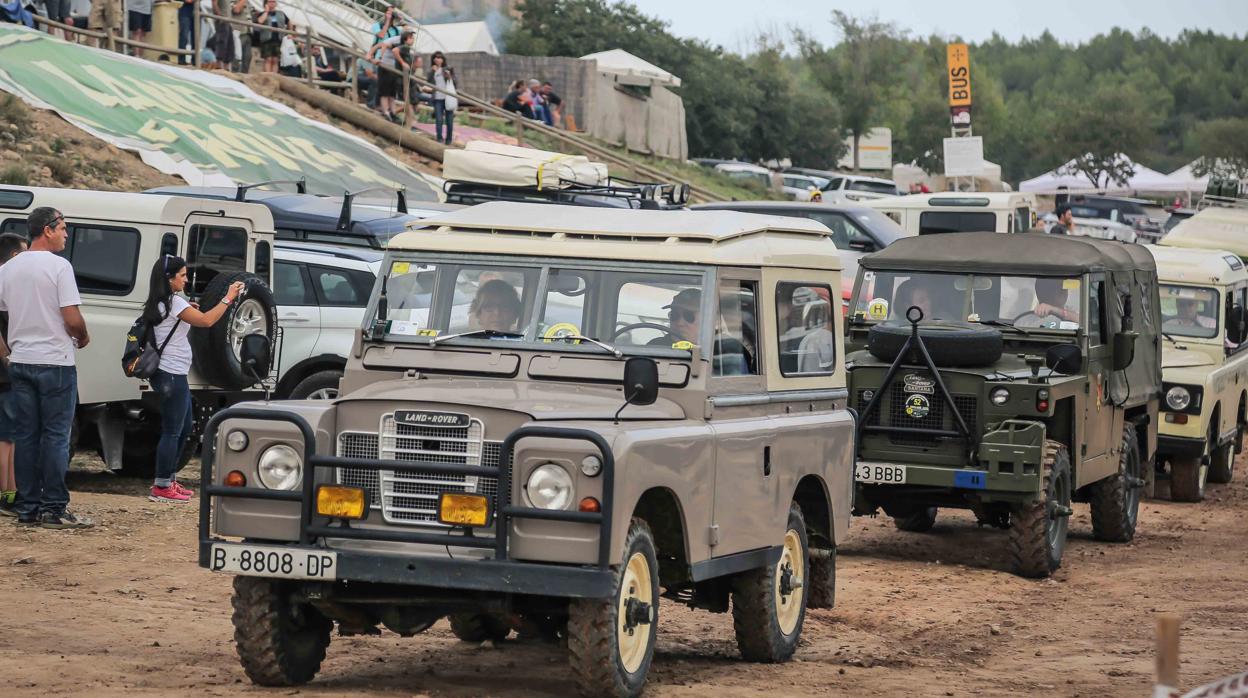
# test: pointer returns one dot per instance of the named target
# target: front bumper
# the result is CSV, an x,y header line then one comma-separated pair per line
x,y
496,574
1180,446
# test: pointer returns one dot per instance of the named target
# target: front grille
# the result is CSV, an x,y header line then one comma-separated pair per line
x,y
892,412
411,496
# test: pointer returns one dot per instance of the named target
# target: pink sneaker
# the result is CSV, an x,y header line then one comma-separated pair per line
x,y
182,490
168,494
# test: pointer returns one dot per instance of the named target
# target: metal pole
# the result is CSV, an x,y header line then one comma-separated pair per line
x,y
195,31
355,80
309,63
407,96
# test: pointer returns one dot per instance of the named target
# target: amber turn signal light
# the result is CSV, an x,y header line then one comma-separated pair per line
x,y
463,509
235,478
591,505
341,502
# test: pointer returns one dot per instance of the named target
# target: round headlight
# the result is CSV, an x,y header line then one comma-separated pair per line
x,y
999,396
549,487
236,440
591,466
280,468
1178,398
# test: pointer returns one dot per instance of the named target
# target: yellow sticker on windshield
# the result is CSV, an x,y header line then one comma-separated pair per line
x,y
1070,284
683,345
400,268
877,309
427,333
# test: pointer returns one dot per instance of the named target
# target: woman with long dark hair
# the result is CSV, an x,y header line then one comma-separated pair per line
x,y
170,314
440,76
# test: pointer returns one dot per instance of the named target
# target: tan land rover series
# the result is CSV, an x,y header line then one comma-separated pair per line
x,y
552,417
1204,361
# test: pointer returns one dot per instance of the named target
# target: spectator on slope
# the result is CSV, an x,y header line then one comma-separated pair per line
x,y
554,104
186,29
440,76
517,102
240,10
325,68
139,14
390,82
537,101
222,40
271,41
387,28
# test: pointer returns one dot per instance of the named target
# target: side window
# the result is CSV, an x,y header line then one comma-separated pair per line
x,y
289,285
340,288
264,260
734,350
213,250
1097,325
956,222
845,234
1022,219
804,320
105,259
16,225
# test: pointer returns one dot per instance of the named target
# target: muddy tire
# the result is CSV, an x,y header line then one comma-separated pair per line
x,y
479,627
1222,462
1187,479
769,603
821,582
920,521
280,642
611,641
1038,529
322,385
1116,500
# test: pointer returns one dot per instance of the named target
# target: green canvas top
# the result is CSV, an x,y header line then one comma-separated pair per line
x,y
1018,253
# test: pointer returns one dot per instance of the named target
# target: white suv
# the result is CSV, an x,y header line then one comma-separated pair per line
x,y
847,189
321,292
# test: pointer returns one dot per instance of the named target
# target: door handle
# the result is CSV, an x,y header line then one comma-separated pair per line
x,y
293,318
766,461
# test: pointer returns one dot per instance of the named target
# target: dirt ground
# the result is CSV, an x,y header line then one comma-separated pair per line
x,y
123,609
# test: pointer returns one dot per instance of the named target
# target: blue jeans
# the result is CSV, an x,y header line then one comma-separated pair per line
x,y
176,421
440,115
186,34
43,402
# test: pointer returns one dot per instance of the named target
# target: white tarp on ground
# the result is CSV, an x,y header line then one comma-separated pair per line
x,y
1144,180
621,62
456,37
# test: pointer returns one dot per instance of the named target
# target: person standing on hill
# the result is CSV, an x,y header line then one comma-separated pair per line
x,y
440,76
40,294
171,316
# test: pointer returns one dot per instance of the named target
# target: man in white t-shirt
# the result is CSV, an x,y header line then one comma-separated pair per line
x,y
38,290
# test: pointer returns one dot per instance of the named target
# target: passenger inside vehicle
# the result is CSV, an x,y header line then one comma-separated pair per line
x,y
1050,310
1188,316
496,307
684,316
918,292
733,353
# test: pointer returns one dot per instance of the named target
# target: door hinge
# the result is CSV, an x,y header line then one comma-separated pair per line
x,y
713,535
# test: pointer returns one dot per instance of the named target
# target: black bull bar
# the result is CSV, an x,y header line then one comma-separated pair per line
x,y
499,573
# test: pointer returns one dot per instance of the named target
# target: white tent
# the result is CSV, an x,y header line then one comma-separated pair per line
x,y
1184,174
621,62
1144,180
456,37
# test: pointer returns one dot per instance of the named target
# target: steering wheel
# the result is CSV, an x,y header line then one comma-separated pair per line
x,y
641,326
1029,314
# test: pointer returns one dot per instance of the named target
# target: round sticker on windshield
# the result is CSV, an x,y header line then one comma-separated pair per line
x,y
561,329
877,309
683,345
918,406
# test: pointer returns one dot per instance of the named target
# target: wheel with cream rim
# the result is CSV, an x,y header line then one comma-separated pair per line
x,y
769,603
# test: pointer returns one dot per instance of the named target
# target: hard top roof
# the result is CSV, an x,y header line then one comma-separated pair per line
x,y
1198,266
130,207
1216,228
709,237
765,206
1009,253
360,254
952,199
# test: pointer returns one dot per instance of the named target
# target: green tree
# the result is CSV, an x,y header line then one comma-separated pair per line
x,y
1099,133
1223,147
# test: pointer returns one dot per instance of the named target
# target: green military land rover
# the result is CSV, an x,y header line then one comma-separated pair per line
x,y
1011,375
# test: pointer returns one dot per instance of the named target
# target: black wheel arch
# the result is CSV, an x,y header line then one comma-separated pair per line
x,y
660,508
305,368
811,495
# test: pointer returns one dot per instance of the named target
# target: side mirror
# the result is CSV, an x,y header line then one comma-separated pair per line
x,y
641,381
1124,349
254,356
1064,359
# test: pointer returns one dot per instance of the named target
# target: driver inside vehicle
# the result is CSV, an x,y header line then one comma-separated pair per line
x,y
684,316
1051,299
915,292
1189,316
496,307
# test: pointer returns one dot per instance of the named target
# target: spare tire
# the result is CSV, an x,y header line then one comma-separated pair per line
x,y
950,344
217,348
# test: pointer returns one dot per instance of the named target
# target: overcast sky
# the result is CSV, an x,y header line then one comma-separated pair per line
x,y
732,23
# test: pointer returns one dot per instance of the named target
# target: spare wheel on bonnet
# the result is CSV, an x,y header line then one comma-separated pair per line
x,y
217,348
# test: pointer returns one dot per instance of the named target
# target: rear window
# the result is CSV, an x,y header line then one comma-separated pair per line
x,y
956,222
873,187
214,250
341,288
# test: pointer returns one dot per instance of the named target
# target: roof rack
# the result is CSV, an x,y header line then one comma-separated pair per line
x,y
640,195
301,185
344,218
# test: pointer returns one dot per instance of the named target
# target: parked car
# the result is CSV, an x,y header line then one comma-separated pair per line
x,y
549,464
1177,215
114,241
1120,209
850,188
339,220
321,293
856,230
799,187
960,212
1204,294
760,176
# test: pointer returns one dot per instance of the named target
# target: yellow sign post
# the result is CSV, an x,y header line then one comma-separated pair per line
x,y
959,59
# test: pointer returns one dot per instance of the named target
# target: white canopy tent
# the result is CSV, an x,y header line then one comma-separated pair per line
x,y
456,37
621,62
1144,180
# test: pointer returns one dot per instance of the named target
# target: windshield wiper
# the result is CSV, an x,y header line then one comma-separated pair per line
x,y
1172,339
614,352
1003,323
475,333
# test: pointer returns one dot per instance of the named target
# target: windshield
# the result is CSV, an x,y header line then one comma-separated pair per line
x,y
1189,312
1028,302
542,302
874,187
